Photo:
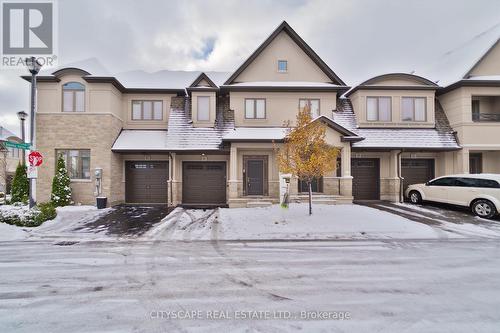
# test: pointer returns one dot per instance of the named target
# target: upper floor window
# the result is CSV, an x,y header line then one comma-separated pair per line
x,y
203,108
413,108
14,152
77,162
255,108
147,110
378,109
312,104
73,97
282,66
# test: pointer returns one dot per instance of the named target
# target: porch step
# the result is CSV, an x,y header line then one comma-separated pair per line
x,y
255,204
322,199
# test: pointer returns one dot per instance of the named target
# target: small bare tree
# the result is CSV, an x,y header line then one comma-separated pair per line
x,y
305,153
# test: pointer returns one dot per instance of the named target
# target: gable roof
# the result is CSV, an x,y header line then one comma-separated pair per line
x,y
456,64
284,27
468,74
200,78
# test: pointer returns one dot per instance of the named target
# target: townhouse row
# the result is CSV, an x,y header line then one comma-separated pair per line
x,y
210,138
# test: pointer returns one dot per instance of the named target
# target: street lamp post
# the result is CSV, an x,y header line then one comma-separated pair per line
x,y
34,67
22,117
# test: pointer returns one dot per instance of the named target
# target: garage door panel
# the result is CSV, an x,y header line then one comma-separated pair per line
x,y
146,182
366,178
415,171
204,183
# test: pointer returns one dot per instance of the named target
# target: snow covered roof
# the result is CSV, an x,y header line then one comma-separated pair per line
x,y
441,137
136,79
455,64
405,138
183,136
5,134
141,140
256,134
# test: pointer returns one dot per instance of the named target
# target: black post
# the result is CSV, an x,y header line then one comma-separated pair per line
x,y
32,199
23,137
310,197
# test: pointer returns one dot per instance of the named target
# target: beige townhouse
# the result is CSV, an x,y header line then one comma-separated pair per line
x,y
210,138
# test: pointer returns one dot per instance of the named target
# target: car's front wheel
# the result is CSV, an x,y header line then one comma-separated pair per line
x,y
415,197
484,208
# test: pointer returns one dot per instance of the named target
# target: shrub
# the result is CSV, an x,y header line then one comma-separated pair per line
x,y
20,215
20,185
61,191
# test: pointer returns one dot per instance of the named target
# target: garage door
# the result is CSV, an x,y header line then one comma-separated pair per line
x,y
204,183
146,182
366,178
416,171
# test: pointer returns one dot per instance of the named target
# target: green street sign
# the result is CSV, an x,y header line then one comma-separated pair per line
x,y
22,145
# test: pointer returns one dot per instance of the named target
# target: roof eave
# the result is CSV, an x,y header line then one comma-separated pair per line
x,y
468,83
340,89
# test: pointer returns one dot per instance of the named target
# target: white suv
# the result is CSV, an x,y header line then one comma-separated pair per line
x,y
480,192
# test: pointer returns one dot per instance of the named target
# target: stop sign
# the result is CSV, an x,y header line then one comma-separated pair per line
x,y
35,158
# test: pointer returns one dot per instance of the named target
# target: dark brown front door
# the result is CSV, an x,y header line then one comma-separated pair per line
x,y
204,183
255,177
475,163
146,182
416,171
366,178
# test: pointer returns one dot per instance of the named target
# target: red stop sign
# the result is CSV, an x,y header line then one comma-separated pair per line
x,y
35,158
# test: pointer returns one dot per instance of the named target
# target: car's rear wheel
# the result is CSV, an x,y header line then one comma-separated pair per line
x,y
484,208
415,197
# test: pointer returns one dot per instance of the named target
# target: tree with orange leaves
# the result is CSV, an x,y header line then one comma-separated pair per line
x,y
305,153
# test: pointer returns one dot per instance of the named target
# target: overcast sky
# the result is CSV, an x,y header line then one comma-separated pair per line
x,y
357,39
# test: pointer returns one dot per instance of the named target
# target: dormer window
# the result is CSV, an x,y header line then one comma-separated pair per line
x,y
413,108
73,97
282,66
378,109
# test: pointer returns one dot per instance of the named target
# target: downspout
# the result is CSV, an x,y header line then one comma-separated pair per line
x,y
170,175
401,179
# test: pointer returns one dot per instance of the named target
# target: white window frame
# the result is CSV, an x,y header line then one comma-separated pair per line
x,y
254,108
378,108
414,98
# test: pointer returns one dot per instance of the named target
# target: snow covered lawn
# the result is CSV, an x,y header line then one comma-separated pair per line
x,y
327,222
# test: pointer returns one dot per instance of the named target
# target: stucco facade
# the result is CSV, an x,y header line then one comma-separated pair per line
x,y
239,149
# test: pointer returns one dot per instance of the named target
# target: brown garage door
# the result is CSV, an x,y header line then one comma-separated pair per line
x,y
415,171
146,182
204,183
366,178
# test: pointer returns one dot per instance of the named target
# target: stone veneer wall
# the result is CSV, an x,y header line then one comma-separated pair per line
x,y
96,132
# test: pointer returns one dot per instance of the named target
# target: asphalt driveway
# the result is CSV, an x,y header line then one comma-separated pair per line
x,y
449,218
127,220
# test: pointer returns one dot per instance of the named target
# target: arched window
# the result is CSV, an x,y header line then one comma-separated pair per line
x,y
73,97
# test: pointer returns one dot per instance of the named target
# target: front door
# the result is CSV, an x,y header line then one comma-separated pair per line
x,y
255,177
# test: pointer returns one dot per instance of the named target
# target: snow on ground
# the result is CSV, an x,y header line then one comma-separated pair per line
x,y
487,229
11,232
63,226
68,218
274,222
385,286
